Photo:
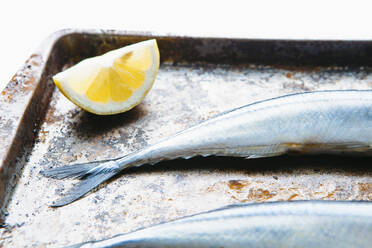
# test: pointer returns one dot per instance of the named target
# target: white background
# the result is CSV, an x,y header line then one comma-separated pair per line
x,y
24,24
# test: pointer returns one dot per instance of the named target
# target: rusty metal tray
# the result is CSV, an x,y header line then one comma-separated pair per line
x,y
198,78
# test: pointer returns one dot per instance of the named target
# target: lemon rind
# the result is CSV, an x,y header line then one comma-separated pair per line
x,y
112,107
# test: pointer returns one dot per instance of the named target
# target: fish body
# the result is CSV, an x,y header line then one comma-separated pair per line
x,y
276,224
324,121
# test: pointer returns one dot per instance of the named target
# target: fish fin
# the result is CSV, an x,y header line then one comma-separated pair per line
x,y
92,174
264,155
82,188
71,171
253,156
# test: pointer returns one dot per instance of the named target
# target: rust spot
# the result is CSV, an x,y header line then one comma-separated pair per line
x,y
33,60
292,197
292,188
14,77
237,199
42,135
288,75
34,63
34,55
365,188
29,81
299,69
363,191
29,84
237,184
210,189
259,195
23,81
330,195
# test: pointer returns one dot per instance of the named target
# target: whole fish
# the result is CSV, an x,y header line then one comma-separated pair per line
x,y
277,224
323,121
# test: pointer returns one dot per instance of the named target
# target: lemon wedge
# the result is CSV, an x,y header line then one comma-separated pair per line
x,y
113,82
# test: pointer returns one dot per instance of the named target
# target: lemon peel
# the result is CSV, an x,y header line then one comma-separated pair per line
x,y
114,82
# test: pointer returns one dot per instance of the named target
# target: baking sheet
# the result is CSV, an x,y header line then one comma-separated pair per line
x,y
198,78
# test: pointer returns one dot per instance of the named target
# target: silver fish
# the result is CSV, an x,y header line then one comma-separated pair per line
x,y
277,224
323,121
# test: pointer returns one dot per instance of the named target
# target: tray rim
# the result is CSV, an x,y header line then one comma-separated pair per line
x,y
14,144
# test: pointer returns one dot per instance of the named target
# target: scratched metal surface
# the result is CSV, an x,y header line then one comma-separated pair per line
x,y
208,77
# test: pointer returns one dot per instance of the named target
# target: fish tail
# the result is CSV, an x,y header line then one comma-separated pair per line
x,y
74,171
91,175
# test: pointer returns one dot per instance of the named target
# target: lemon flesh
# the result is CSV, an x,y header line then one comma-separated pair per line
x,y
113,82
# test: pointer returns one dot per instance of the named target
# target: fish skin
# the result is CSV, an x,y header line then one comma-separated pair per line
x,y
271,224
334,121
